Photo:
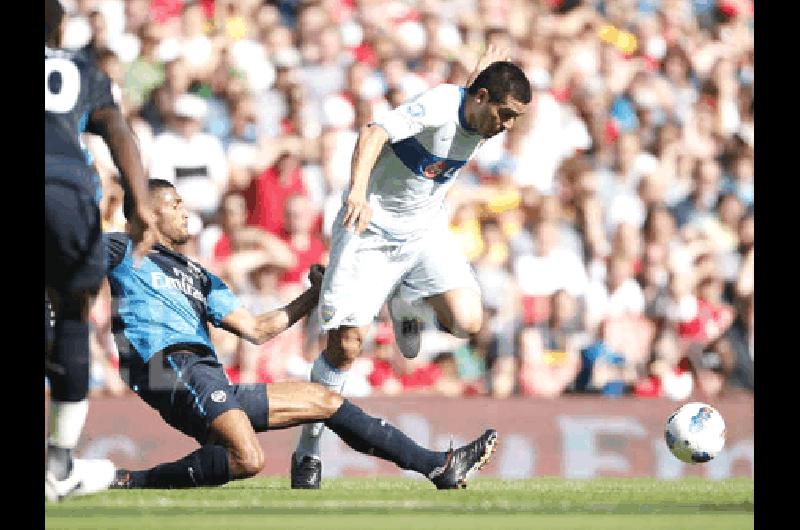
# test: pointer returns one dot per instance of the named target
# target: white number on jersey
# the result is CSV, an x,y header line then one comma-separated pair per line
x,y
64,100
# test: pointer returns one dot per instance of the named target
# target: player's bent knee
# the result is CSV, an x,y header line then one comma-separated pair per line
x,y
469,322
473,325
249,461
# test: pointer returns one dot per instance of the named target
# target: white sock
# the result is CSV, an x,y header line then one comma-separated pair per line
x,y
66,423
332,379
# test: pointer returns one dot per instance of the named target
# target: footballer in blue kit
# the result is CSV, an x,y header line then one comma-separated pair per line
x,y
162,307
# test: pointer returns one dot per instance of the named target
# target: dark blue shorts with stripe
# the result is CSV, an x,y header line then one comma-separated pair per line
x,y
190,390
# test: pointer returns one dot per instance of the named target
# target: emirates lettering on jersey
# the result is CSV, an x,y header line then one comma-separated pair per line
x,y
183,283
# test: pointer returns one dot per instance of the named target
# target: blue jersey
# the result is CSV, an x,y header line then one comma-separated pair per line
x,y
168,300
73,88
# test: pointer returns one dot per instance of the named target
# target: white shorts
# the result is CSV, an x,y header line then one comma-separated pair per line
x,y
363,271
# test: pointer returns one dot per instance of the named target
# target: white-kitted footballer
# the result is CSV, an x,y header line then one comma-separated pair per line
x,y
407,240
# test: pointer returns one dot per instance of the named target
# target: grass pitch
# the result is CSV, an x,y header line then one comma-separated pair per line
x,y
408,504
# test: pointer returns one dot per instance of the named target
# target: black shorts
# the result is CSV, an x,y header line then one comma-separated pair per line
x,y
73,242
190,390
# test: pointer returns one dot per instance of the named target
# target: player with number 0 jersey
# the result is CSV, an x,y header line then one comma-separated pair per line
x,y
77,98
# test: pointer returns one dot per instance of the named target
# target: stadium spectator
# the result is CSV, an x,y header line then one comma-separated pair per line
x,y
267,193
643,153
160,105
738,347
146,71
257,274
192,160
392,374
619,295
704,196
548,358
654,278
99,29
220,237
241,141
603,368
551,268
300,235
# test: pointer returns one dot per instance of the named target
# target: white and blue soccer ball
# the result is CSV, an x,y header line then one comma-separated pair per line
x,y
695,433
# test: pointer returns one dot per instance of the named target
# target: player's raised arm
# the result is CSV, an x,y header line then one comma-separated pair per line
x,y
109,123
258,329
370,142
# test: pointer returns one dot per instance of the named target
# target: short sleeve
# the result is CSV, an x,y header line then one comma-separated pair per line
x,y
220,300
429,109
116,247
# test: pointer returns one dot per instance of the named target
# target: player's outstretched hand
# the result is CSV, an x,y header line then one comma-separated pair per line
x,y
315,275
358,212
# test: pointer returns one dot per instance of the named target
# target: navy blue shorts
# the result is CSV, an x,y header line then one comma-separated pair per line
x,y
73,242
190,390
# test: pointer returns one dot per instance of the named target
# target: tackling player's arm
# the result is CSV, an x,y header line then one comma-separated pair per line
x,y
371,140
258,329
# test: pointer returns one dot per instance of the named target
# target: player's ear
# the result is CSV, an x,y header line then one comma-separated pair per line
x,y
482,95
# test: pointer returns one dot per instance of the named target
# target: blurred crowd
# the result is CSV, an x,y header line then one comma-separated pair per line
x,y
612,230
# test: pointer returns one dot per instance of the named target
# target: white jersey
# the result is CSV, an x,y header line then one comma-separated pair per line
x,y
429,142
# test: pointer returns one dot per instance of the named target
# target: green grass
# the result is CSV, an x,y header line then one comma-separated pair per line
x,y
406,504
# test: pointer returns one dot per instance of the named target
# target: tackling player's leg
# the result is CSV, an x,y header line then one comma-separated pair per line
x,y
191,392
295,403
298,402
231,452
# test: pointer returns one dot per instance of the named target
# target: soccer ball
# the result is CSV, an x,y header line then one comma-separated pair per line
x,y
695,433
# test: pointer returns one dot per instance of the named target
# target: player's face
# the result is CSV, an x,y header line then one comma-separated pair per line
x,y
172,220
494,118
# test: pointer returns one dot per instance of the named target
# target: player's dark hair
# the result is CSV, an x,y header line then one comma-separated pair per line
x,y
502,79
53,13
152,185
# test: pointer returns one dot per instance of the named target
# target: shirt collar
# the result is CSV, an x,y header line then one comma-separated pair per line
x,y
462,118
